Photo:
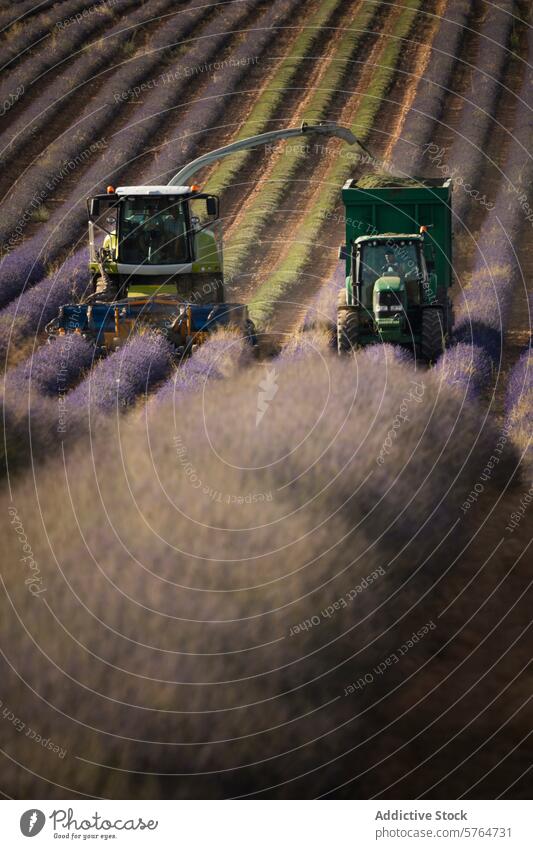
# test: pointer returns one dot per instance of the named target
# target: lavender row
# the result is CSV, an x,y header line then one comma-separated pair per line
x,y
53,99
222,356
88,137
209,111
118,380
24,9
41,416
53,368
197,578
432,89
466,368
477,114
483,311
28,314
38,30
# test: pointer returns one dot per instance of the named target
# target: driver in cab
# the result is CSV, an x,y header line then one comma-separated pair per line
x,y
391,265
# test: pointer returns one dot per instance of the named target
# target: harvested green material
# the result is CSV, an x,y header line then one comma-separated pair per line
x,y
386,181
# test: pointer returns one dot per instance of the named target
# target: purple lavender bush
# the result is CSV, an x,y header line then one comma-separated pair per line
x,y
385,354
121,378
20,269
221,356
27,315
305,343
54,367
467,368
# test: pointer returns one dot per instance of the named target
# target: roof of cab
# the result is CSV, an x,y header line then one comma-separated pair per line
x,y
153,190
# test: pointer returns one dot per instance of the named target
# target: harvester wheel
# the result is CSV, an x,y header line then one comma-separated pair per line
x,y
432,339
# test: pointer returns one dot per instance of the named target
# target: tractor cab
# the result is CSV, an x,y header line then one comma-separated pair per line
x,y
390,281
157,240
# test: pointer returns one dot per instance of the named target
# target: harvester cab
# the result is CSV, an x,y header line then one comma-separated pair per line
x,y
156,256
157,240
397,279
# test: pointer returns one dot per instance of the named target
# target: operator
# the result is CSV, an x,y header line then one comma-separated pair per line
x,y
152,233
391,265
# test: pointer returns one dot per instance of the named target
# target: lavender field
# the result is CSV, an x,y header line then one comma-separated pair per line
x,y
266,572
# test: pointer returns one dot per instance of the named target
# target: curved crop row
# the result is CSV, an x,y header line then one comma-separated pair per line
x,y
35,32
26,316
76,66
126,144
426,110
208,112
221,356
272,96
261,209
89,136
53,368
11,17
477,114
483,310
118,380
138,135
293,264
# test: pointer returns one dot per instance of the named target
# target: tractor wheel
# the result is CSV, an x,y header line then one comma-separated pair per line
x,y
347,327
432,341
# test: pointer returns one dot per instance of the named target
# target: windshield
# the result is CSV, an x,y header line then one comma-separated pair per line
x,y
382,259
153,231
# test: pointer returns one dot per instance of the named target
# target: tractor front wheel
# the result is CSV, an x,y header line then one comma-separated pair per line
x,y
433,335
347,328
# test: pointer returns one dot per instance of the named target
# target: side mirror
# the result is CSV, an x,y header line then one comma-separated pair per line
x,y
211,205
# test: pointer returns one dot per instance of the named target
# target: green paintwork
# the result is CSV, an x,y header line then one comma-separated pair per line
x,y
206,251
389,215
402,211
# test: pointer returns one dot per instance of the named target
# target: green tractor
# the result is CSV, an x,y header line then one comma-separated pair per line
x,y
398,267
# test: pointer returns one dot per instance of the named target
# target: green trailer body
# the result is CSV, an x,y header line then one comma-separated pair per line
x,y
407,303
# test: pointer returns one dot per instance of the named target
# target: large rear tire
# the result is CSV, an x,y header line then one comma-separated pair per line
x,y
347,326
432,343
